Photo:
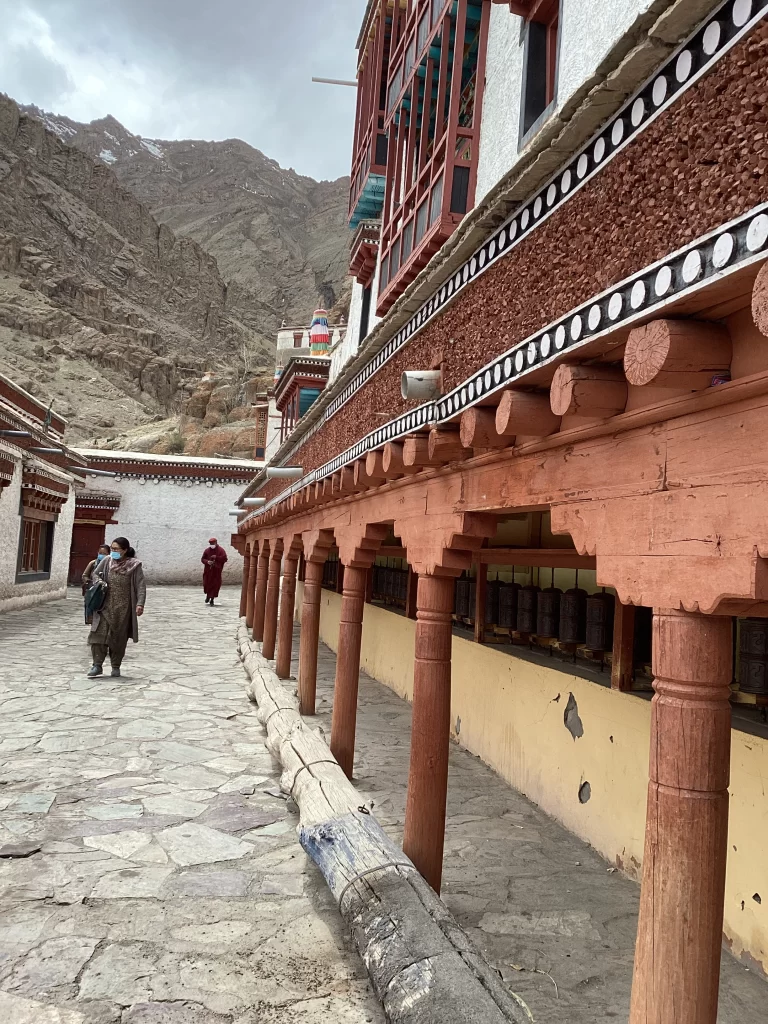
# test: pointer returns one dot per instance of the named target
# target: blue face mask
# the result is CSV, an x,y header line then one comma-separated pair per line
x,y
116,555
100,556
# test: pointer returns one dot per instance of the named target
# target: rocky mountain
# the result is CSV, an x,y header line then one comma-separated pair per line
x,y
127,274
280,239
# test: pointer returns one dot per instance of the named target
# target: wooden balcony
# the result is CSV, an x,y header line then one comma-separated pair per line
x,y
381,30
433,102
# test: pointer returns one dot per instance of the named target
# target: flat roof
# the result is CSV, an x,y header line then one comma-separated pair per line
x,y
180,460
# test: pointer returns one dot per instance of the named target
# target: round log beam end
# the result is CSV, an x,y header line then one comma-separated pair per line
x,y
760,301
682,354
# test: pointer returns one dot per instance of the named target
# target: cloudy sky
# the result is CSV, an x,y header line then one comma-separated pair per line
x,y
205,69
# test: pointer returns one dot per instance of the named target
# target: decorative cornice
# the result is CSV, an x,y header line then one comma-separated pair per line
x,y
730,248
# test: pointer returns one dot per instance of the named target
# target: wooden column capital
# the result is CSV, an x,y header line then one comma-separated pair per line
x,y
695,549
358,544
443,544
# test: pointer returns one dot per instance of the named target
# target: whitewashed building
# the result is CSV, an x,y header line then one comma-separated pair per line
x,y
166,505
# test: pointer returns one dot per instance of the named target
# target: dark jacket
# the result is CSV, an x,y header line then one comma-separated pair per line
x,y
138,595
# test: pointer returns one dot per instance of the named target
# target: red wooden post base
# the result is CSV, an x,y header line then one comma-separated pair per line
x,y
270,612
260,594
348,669
244,586
679,936
285,626
249,587
424,834
310,634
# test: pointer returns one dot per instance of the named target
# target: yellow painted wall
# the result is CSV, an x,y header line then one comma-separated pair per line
x,y
510,713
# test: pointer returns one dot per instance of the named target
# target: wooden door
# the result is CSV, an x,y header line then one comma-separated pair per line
x,y
86,538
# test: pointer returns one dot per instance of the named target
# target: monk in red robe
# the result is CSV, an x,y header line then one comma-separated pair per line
x,y
213,559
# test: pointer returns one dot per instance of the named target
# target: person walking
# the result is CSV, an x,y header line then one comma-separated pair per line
x,y
213,559
88,573
118,617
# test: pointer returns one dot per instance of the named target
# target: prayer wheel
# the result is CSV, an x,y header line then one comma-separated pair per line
x,y
573,616
492,592
462,600
753,656
526,608
507,617
548,612
402,585
599,632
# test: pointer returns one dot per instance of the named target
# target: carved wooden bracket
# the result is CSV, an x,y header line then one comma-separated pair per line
x,y
443,544
317,544
702,549
359,544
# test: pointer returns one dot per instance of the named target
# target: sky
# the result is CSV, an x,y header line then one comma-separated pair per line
x,y
194,69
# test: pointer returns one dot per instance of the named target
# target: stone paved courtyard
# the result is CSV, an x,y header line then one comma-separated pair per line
x,y
150,871
167,886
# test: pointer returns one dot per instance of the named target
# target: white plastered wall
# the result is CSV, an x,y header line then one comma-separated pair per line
x,y
342,353
22,595
169,524
588,31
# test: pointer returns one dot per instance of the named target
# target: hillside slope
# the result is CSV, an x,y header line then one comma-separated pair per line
x,y
93,289
280,239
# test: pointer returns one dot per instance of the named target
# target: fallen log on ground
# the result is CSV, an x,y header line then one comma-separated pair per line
x,y
424,968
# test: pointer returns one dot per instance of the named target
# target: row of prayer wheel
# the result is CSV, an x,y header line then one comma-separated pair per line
x,y
573,617
753,656
390,584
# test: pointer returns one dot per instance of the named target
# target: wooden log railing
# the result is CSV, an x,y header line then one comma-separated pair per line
x,y
424,968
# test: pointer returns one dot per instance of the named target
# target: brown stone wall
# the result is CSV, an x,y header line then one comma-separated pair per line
x,y
703,162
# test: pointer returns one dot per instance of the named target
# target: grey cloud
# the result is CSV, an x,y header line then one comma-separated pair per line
x,y
231,68
36,75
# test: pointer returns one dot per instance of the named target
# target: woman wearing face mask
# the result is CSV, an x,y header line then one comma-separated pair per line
x,y
103,553
89,569
118,617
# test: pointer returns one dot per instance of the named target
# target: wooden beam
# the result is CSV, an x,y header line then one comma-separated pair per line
x,y
525,413
478,430
622,664
547,558
445,445
682,354
588,391
416,452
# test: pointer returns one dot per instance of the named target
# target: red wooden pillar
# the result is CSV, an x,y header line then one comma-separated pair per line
x,y
250,585
481,596
310,634
410,597
348,668
244,586
622,664
260,592
424,833
270,611
285,627
679,934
